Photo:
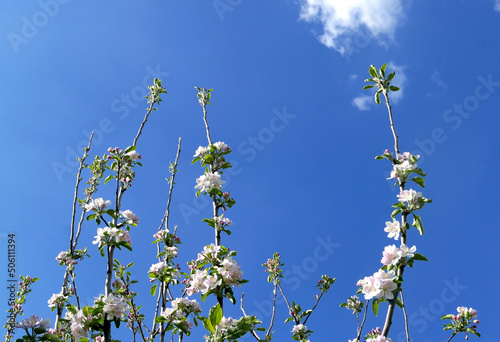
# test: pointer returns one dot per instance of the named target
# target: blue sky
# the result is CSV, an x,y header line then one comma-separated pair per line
x,y
287,79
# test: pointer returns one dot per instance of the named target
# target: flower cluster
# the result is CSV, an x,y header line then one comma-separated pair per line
x,y
375,335
65,258
413,199
57,300
33,322
97,169
223,270
111,236
465,321
393,255
380,285
300,332
273,267
209,181
114,307
178,312
404,165
130,217
98,205
163,272
353,303
123,163
213,155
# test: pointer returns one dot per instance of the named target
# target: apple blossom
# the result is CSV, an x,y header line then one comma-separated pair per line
x,y
114,307
209,181
97,205
130,216
393,229
33,322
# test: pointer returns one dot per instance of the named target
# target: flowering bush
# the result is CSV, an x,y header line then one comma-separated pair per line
x,y
215,272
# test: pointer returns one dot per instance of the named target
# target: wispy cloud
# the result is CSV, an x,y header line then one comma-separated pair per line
x,y
497,5
436,78
364,102
342,20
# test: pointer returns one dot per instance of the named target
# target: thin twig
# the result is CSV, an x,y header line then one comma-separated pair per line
x,y
245,314
150,109
393,128
406,317
360,328
275,294
452,335
286,300
72,240
314,307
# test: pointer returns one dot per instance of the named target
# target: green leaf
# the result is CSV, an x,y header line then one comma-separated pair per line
x,y
369,86
395,212
393,88
377,97
391,76
382,70
215,315
419,180
379,157
375,304
418,256
153,289
110,177
207,324
373,71
399,302
417,223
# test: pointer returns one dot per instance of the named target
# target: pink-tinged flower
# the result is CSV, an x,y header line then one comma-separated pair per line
x,y
209,181
200,151
380,338
97,205
100,339
220,146
134,155
210,283
57,300
226,324
299,328
405,252
393,229
230,271
155,268
209,252
77,324
33,322
390,255
114,307
105,235
130,216
124,235
379,285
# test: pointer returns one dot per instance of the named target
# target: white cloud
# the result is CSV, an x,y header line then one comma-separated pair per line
x,y
497,5
364,102
344,20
